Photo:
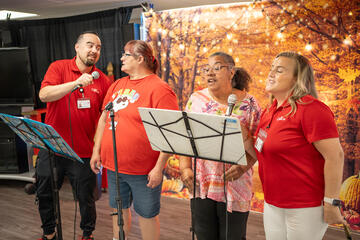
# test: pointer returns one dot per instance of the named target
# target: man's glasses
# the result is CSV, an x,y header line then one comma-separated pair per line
x,y
216,68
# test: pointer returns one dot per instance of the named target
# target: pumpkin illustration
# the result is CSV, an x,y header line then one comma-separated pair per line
x,y
172,167
350,195
172,185
350,192
353,217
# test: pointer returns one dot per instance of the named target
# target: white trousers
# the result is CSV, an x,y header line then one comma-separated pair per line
x,y
294,223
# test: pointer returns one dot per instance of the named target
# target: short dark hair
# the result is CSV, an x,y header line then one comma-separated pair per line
x,y
81,35
241,79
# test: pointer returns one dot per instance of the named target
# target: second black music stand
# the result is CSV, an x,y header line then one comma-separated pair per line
x,y
196,135
40,135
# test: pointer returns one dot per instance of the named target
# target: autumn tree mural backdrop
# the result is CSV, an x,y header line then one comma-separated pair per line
x,y
327,32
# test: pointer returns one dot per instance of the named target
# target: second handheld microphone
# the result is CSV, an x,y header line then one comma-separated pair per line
x,y
232,99
94,74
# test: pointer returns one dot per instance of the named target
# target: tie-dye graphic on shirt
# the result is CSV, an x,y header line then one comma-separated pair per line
x,y
123,98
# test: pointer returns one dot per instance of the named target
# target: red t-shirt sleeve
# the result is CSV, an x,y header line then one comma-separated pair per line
x,y
318,122
53,76
107,97
105,82
165,99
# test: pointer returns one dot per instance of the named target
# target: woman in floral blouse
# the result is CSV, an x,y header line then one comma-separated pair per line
x,y
222,79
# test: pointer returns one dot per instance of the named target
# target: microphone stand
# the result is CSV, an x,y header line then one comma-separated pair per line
x,y
232,99
120,222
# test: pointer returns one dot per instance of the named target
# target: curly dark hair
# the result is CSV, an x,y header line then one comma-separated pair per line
x,y
241,79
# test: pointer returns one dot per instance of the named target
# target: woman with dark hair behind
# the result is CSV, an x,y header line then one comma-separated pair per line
x,y
222,79
140,168
241,79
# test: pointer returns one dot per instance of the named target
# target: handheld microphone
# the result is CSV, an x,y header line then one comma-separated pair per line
x,y
94,74
232,99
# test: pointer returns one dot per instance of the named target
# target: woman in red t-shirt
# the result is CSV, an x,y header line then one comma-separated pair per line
x,y
299,153
139,167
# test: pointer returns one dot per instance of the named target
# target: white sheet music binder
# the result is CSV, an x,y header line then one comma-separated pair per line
x,y
167,132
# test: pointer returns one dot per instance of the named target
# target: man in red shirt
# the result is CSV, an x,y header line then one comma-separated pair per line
x,y
74,99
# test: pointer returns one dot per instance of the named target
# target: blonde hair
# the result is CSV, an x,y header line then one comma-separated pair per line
x,y
305,82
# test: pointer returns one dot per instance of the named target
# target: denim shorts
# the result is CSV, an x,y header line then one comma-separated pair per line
x,y
133,189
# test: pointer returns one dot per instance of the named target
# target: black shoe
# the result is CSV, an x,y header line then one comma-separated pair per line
x,y
87,237
30,188
45,238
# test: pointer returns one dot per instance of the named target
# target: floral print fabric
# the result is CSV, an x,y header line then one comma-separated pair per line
x,y
209,173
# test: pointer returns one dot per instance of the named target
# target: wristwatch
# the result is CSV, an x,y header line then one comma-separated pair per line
x,y
332,201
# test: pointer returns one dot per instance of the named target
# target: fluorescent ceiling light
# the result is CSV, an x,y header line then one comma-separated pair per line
x,y
4,13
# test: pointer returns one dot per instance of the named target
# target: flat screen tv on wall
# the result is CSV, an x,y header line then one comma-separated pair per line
x,y
16,85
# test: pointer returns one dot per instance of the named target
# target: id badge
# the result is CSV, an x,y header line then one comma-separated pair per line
x,y
83,103
261,137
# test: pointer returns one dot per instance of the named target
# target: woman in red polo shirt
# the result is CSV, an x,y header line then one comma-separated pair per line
x,y
299,153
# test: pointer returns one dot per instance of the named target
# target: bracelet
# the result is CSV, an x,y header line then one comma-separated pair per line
x,y
332,201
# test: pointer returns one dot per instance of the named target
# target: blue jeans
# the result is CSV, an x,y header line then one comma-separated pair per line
x,y
133,189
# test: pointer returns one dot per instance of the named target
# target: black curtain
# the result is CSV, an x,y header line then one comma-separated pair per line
x,y
52,39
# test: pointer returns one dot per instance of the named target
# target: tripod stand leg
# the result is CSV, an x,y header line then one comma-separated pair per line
x,y
118,197
55,193
194,196
120,220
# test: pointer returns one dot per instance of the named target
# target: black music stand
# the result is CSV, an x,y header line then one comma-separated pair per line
x,y
109,107
40,135
196,135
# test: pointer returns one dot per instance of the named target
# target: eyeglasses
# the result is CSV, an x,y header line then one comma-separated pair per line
x,y
216,68
126,55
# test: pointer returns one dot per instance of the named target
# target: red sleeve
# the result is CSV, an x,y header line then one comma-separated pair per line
x,y
318,122
165,98
108,95
53,75
105,81
105,84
